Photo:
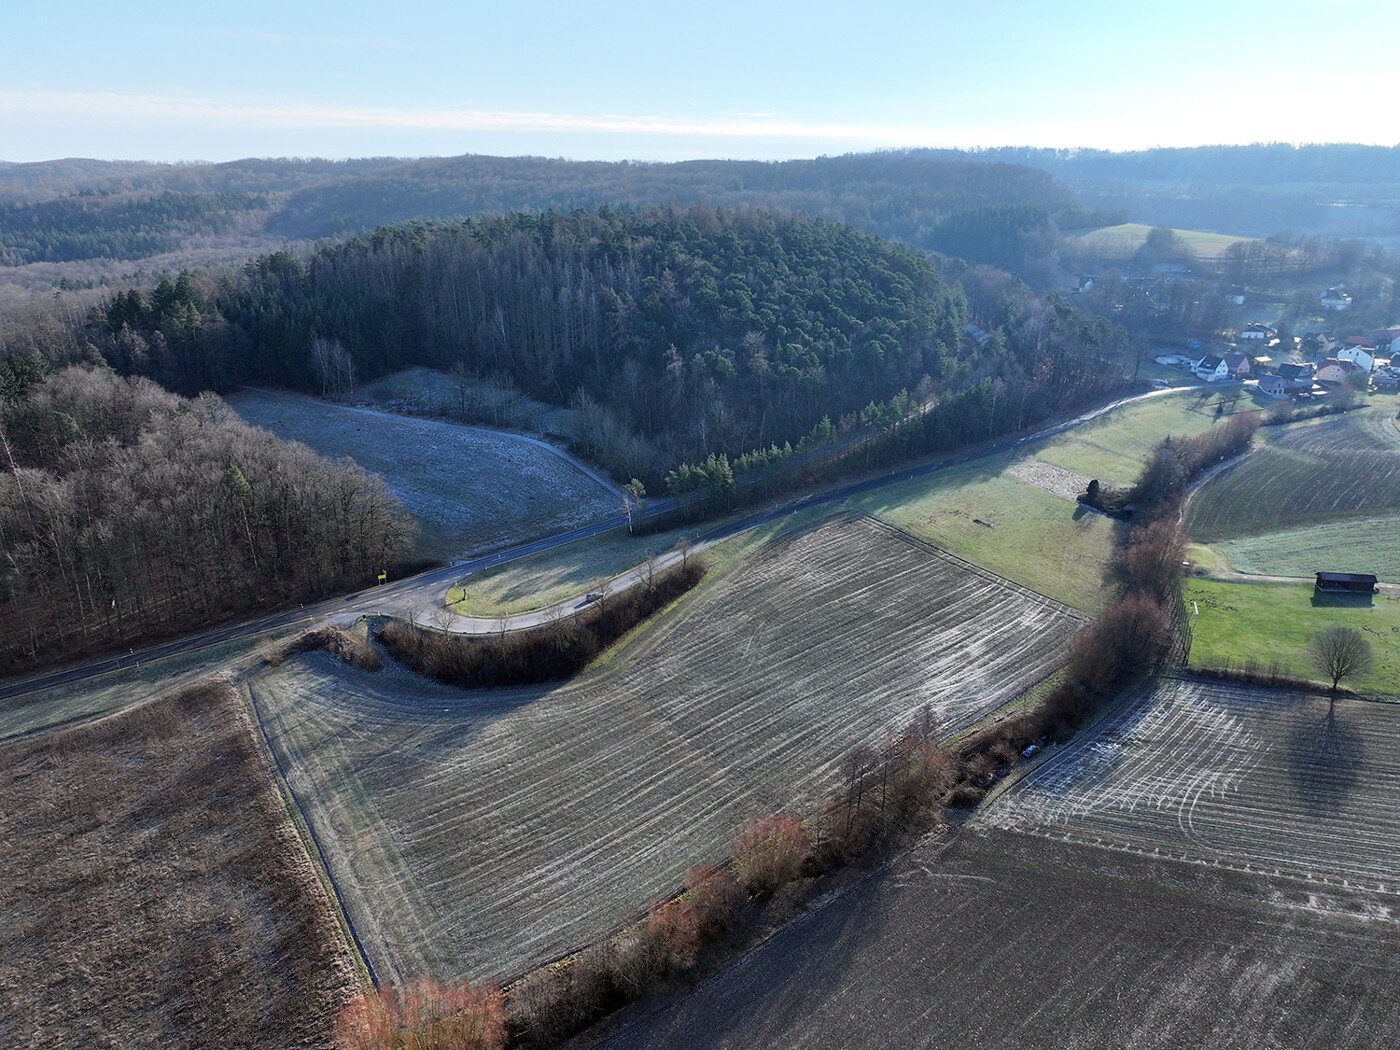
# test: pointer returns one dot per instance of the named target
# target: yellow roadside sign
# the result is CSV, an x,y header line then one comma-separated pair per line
x,y
383,576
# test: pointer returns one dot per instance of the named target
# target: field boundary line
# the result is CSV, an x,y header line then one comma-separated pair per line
x,y
320,863
922,544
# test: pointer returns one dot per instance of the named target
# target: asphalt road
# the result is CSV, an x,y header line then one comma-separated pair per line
x,y
424,591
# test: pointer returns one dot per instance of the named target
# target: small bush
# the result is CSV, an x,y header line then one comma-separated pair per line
x,y
425,1016
769,852
354,650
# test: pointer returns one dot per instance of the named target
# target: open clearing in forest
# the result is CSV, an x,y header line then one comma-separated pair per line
x,y
1261,780
153,891
469,489
985,940
1232,622
1122,241
1340,468
477,833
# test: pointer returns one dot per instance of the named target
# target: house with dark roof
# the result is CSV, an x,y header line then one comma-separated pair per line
x,y
1211,368
1238,365
1334,299
1298,377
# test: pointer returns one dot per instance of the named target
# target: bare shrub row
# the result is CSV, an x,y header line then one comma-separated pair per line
x,y
349,646
543,654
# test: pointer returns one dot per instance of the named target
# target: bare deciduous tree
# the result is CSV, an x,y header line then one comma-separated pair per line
x,y
1340,652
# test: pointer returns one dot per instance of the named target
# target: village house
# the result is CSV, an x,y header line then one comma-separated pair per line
x,y
1334,299
1258,332
1273,386
1298,377
1237,365
1384,340
1211,368
1335,370
1362,356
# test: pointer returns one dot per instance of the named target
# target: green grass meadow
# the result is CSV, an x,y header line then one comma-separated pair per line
x,y
1113,448
1232,622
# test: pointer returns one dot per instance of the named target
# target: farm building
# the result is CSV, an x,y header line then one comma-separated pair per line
x,y
1346,583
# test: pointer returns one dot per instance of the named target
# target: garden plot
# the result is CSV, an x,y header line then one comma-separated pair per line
x,y
478,833
1230,776
469,489
1345,467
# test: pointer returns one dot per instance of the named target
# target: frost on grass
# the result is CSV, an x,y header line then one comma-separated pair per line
x,y
469,489
1229,775
485,831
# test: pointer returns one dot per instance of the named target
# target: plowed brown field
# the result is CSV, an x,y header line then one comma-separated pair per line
x,y
478,833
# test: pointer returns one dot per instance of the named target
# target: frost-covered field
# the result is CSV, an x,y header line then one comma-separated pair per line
x,y
1228,775
469,489
477,833
1344,467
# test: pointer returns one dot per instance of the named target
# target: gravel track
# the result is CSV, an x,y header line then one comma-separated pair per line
x,y
482,832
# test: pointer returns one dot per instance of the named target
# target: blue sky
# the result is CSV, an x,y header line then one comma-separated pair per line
x,y
217,80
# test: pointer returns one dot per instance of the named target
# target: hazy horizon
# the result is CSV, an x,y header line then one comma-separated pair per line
x,y
781,80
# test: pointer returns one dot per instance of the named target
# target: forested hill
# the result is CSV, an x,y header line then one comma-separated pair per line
x,y
1333,190
68,211
694,331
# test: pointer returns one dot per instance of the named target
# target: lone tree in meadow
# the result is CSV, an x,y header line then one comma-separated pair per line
x,y
1340,652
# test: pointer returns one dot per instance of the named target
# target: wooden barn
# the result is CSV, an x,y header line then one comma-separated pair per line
x,y
1346,583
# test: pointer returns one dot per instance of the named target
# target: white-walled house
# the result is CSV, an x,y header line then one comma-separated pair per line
x,y
1212,368
1334,299
1257,332
1363,356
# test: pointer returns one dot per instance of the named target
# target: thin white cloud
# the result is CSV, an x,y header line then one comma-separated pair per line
x,y
174,110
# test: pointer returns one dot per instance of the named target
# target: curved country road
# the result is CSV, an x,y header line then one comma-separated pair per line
x,y
425,590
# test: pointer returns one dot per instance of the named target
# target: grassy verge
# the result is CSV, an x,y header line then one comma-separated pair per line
x,y
1017,531
1114,447
1268,622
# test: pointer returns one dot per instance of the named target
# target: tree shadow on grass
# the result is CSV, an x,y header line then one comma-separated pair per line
x,y
1326,756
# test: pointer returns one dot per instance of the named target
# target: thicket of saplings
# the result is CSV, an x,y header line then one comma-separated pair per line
x,y
128,512
886,796
544,654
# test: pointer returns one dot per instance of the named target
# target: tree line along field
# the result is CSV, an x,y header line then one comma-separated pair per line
x,y
1343,467
469,489
477,833
987,939
153,890
1230,776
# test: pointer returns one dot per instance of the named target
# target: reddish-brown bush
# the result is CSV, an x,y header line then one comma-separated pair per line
x,y
768,852
425,1016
